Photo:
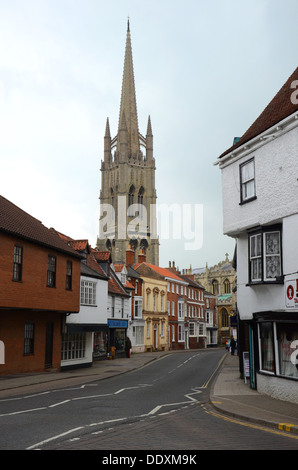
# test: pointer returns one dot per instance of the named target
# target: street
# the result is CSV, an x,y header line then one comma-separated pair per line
x,y
163,405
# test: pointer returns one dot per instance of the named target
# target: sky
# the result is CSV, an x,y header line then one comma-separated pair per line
x,y
204,71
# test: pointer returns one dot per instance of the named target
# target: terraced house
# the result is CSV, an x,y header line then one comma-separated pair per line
x,y
260,211
39,286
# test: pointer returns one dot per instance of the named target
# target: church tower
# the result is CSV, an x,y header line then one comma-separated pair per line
x,y
128,195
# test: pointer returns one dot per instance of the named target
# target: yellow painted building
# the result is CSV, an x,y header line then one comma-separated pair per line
x,y
155,312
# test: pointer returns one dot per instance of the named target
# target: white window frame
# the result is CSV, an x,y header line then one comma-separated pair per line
x,y
247,181
180,310
258,253
138,306
88,293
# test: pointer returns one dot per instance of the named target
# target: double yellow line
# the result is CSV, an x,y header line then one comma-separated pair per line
x,y
250,425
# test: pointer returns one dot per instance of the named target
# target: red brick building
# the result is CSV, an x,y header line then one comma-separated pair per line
x,y
39,285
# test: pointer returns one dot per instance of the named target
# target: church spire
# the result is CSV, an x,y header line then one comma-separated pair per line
x,y
128,100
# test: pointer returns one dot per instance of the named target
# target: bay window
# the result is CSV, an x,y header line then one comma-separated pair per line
x,y
265,255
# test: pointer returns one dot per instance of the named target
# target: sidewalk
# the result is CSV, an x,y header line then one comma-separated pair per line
x,y
228,395
231,396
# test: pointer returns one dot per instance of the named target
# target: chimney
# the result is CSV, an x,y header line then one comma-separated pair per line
x,y
130,257
142,257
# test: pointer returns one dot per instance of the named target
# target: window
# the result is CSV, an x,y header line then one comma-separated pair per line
x,y
122,308
191,329
154,302
17,263
227,286
69,275
247,181
88,293
225,323
162,303
138,302
180,332
215,289
51,277
180,311
267,362
29,339
287,336
73,346
131,201
173,333
265,255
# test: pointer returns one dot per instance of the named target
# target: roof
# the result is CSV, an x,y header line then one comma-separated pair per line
x,y
115,286
16,222
163,272
102,255
191,282
90,272
280,107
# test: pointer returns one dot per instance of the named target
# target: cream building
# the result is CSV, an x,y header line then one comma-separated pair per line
x,y
128,194
221,281
155,314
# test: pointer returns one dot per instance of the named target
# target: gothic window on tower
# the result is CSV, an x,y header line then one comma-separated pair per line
x,y
140,200
112,197
131,194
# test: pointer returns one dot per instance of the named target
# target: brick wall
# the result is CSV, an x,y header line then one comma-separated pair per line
x,y
32,292
12,329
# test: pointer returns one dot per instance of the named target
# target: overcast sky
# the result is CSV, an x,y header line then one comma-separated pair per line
x,y
204,71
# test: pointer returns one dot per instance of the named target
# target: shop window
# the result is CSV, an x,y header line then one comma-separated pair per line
x,y
73,346
287,339
267,362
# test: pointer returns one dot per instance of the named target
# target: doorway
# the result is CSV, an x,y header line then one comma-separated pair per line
x,y
49,345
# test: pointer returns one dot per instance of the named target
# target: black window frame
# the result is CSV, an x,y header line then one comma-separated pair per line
x,y
241,166
29,333
51,273
17,273
262,230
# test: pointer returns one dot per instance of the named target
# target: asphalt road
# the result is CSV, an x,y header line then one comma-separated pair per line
x,y
163,405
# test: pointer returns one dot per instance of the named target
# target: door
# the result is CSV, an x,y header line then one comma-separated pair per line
x,y
155,336
49,345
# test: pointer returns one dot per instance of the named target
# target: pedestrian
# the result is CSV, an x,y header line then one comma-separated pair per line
x,y
233,346
127,346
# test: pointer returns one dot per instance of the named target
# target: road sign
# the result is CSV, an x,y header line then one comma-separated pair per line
x,y
291,292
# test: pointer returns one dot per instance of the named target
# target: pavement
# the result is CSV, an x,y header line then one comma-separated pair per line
x,y
229,394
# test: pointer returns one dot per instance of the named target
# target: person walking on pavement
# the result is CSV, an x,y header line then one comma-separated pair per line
x,y
127,346
233,346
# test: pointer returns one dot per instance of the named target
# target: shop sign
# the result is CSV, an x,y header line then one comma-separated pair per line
x,y
291,292
117,323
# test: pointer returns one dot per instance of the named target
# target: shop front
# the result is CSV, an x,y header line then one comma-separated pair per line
x,y
277,355
116,337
